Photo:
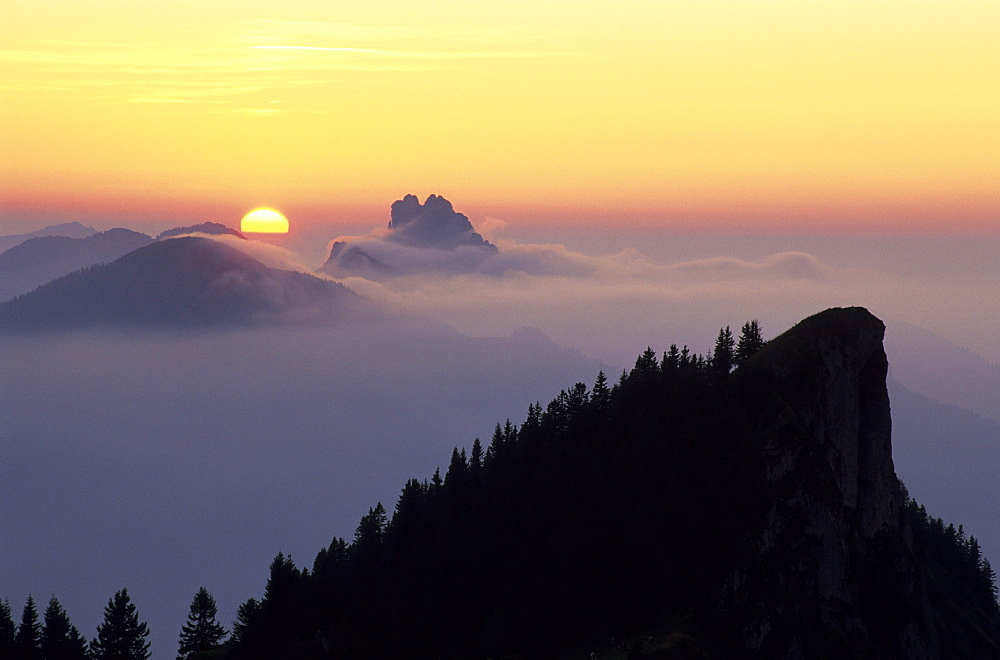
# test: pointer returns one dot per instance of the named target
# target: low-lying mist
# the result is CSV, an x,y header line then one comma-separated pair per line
x,y
164,462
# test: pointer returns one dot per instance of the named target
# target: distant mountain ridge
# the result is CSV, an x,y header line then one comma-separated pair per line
x,y
68,229
211,228
187,281
41,259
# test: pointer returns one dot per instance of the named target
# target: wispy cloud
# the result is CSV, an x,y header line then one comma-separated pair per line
x,y
424,54
252,59
284,30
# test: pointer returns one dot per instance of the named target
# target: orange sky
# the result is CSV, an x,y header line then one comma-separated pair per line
x,y
708,115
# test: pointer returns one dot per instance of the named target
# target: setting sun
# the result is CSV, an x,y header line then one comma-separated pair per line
x,y
264,221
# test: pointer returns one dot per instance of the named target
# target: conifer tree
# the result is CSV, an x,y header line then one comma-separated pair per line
x,y
121,636
201,632
750,342
989,578
7,630
600,396
476,460
60,639
246,617
722,356
29,633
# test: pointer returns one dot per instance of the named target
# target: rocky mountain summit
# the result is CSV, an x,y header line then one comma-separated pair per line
x,y
835,544
435,223
420,238
690,510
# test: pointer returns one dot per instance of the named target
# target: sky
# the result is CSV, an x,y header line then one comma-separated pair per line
x,y
709,116
656,169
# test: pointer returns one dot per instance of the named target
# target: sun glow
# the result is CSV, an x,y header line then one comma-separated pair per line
x,y
264,221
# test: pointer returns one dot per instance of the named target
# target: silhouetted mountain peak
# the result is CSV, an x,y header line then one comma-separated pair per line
x,y
42,259
211,228
185,281
68,229
432,224
421,238
752,513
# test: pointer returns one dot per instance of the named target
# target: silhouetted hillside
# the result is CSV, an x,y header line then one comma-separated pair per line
x,y
36,261
186,281
212,228
689,511
67,229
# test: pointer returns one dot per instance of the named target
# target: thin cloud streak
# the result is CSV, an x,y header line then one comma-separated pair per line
x,y
430,55
278,29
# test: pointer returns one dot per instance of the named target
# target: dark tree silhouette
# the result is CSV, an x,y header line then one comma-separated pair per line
x,y
603,513
7,630
121,636
201,632
751,341
29,633
60,639
722,356
246,616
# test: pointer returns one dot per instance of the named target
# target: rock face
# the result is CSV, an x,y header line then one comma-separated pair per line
x,y
817,398
433,224
421,238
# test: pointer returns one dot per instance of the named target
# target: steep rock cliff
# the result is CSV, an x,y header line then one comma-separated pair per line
x,y
832,550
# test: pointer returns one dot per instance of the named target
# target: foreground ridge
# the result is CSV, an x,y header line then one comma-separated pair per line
x,y
688,509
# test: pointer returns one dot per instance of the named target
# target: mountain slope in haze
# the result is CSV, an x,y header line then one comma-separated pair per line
x,y
746,514
187,281
36,261
932,366
68,229
948,458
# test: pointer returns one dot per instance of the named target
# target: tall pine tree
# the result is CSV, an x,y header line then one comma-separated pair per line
x,y
722,356
29,633
750,342
121,636
7,630
201,632
60,639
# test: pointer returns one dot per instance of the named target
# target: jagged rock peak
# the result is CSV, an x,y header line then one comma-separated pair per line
x,y
816,398
831,368
431,224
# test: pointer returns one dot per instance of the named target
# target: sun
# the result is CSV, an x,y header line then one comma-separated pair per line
x,y
264,221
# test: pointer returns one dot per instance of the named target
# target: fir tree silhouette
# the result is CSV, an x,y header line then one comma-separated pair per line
x,y
121,636
60,639
29,633
201,632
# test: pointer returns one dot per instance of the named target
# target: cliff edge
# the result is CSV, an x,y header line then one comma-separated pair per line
x,y
833,549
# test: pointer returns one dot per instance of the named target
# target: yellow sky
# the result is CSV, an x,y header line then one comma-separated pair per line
x,y
764,112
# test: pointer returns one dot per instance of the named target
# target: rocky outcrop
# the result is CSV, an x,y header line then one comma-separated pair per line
x,y
421,238
816,400
433,224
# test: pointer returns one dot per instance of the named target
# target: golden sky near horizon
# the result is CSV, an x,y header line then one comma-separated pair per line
x,y
766,113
